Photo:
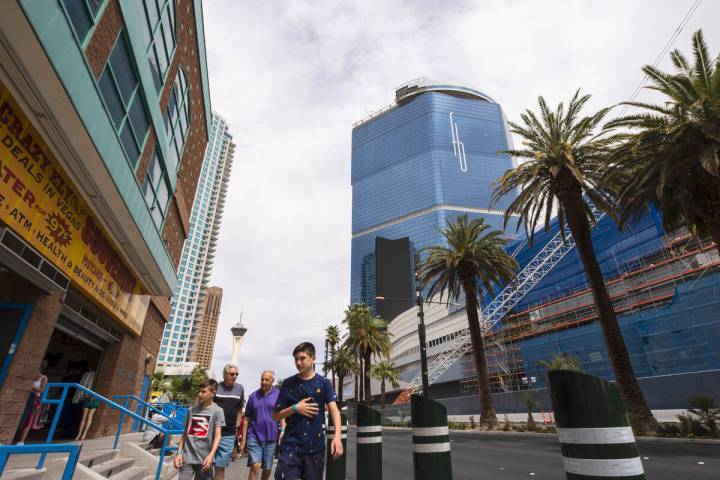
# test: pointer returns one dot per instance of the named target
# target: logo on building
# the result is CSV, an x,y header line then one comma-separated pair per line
x,y
458,146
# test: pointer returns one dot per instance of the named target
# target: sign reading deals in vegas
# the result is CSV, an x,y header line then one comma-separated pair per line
x,y
39,203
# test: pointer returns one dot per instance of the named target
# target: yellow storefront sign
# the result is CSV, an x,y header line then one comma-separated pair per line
x,y
39,203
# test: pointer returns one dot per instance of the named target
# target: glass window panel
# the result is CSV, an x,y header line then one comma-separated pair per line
x,y
178,141
155,70
110,95
79,17
168,30
161,58
138,117
172,109
128,141
122,69
94,5
162,195
171,9
157,216
183,124
148,192
173,160
147,34
154,169
152,12
166,120
183,82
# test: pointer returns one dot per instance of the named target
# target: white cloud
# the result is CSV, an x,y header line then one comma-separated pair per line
x,y
292,78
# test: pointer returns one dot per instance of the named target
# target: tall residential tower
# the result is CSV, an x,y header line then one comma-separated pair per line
x,y
179,338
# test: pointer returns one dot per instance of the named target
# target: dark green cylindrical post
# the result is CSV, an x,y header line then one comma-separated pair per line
x,y
593,428
369,444
431,439
335,469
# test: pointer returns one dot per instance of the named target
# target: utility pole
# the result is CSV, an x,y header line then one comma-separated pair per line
x,y
421,327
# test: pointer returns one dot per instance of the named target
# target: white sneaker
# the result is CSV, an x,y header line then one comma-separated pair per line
x,y
20,443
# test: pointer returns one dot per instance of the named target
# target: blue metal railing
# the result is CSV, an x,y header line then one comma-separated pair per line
x,y
176,418
72,449
115,406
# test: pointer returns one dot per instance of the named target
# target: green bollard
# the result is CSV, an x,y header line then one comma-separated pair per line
x,y
593,428
369,444
335,469
431,439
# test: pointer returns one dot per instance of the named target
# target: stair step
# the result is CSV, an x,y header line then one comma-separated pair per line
x,y
132,473
96,457
25,474
107,469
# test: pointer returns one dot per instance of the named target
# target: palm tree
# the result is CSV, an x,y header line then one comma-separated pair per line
x,y
344,364
563,172
368,335
159,383
562,361
671,157
473,253
530,397
332,339
386,371
181,388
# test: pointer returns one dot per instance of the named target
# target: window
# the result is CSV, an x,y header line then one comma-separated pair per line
x,y
156,190
177,118
158,26
120,90
82,14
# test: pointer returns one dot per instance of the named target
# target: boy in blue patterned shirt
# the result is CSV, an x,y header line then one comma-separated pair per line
x,y
301,402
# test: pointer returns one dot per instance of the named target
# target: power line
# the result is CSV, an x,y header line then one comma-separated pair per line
x,y
662,54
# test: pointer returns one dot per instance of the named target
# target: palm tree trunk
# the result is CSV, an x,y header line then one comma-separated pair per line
x,y
361,379
382,395
641,418
715,234
366,364
487,409
340,392
325,370
332,362
356,392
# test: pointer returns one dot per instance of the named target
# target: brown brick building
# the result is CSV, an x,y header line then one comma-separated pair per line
x,y
204,341
104,120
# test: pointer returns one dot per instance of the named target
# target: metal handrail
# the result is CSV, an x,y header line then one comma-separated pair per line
x,y
123,411
177,425
72,449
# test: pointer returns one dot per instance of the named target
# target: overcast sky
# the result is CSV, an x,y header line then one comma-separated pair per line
x,y
291,77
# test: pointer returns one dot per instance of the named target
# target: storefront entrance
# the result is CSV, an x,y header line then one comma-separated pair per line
x,y
73,355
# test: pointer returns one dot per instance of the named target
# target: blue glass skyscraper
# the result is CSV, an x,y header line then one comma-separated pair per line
x,y
429,157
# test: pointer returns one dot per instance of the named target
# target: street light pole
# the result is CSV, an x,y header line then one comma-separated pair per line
x,y
421,328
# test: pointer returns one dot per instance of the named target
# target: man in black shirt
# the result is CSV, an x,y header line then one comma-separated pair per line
x,y
230,396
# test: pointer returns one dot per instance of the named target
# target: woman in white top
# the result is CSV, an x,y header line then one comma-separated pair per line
x,y
34,407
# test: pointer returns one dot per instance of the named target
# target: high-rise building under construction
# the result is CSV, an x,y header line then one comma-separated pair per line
x,y
433,151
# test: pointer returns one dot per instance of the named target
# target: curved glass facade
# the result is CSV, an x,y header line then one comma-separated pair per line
x,y
418,165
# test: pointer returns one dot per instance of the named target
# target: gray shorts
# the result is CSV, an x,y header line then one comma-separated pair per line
x,y
195,472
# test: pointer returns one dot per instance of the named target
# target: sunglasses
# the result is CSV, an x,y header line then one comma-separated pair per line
x,y
232,374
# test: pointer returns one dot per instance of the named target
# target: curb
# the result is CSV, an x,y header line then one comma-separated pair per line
x,y
688,441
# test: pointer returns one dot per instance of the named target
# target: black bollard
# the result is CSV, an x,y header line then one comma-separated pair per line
x,y
593,428
336,469
431,439
369,444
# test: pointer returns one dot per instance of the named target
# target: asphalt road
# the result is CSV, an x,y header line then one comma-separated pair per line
x,y
491,456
